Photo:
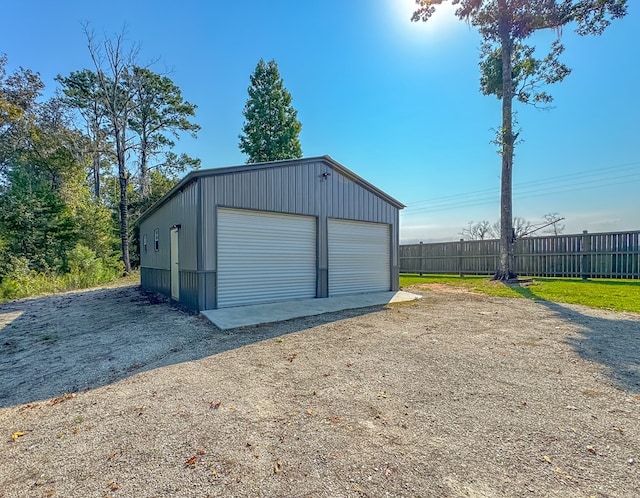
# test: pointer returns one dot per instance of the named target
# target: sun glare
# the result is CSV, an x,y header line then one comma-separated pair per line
x,y
438,26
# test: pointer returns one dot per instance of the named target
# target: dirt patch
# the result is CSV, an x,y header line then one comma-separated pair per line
x,y
453,395
442,288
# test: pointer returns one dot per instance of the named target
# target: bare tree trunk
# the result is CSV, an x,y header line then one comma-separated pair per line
x,y
96,172
94,128
123,206
144,171
118,105
505,267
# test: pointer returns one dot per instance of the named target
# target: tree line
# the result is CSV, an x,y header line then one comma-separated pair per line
x,y
78,167
484,229
114,124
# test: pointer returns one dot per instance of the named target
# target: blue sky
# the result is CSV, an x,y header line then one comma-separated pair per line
x,y
396,102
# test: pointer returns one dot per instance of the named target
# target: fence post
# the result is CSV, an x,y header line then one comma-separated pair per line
x,y
586,257
460,257
421,257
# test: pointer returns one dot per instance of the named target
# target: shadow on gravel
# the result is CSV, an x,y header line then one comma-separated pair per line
x,y
70,342
614,343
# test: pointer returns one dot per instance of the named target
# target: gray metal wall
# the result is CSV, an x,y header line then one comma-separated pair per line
x,y
181,209
310,188
296,189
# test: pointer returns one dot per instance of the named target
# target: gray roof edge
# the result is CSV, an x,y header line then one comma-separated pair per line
x,y
194,175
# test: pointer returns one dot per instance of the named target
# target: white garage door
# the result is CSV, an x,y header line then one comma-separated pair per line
x,y
359,257
265,257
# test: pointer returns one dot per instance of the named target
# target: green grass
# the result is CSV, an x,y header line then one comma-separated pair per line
x,y
618,295
34,284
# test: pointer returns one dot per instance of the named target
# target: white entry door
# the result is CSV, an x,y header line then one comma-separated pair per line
x,y
175,265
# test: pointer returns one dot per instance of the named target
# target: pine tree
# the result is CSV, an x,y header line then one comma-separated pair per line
x,y
271,127
510,70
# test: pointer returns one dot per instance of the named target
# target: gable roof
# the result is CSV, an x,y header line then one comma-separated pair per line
x,y
329,161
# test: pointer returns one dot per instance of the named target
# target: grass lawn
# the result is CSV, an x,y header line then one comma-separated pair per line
x,y
618,295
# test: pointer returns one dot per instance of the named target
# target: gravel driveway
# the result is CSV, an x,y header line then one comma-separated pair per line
x,y
453,395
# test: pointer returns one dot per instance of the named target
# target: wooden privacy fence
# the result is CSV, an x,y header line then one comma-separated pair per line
x,y
586,255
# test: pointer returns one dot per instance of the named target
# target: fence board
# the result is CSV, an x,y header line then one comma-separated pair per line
x,y
586,255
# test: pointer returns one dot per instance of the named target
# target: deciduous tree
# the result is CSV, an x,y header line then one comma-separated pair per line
x,y
485,230
479,230
45,206
19,92
555,227
521,227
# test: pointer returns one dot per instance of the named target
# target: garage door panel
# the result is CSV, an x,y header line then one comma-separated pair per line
x,y
265,257
359,257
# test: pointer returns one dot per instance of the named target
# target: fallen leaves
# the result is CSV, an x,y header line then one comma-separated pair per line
x,y
277,467
16,435
292,357
359,490
191,462
63,398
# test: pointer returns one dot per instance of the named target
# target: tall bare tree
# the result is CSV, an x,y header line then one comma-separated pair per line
x,y
521,228
553,220
113,64
510,70
477,230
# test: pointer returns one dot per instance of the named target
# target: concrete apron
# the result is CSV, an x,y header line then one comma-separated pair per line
x,y
241,316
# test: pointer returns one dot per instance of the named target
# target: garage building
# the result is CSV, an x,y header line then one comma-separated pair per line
x,y
268,232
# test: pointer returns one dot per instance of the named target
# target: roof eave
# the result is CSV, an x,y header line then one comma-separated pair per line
x,y
332,163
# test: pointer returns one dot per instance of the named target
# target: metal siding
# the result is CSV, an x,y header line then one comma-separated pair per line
x,y
156,280
179,210
189,289
265,257
359,257
294,189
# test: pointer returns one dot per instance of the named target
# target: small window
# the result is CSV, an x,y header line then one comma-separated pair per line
x,y
156,240
144,243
